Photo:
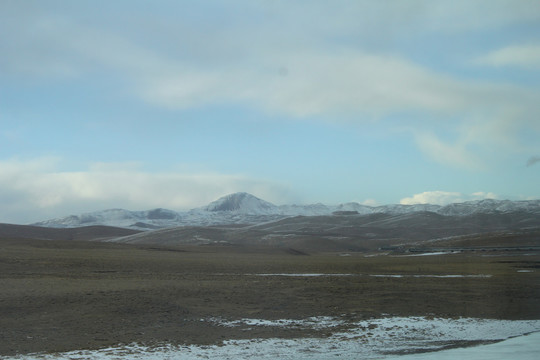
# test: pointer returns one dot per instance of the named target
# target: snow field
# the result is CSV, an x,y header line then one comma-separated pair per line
x,y
384,338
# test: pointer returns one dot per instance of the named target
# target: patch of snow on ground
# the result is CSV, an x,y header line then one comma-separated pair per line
x,y
521,347
433,253
382,275
302,275
435,276
319,322
369,339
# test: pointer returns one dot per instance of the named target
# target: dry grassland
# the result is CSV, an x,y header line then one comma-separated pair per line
x,y
63,295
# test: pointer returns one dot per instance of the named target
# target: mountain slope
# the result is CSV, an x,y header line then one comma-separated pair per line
x,y
244,208
155,218
242,203
349,233
10,231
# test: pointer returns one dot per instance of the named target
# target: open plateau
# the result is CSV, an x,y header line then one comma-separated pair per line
x,y
243,278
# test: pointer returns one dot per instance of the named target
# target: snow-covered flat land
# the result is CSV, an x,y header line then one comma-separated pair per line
x,y
385,338
525,347
449,276
480,276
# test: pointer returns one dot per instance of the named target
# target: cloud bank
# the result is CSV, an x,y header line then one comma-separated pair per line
x,y
445,197
34,190
297,69
524,56
436,76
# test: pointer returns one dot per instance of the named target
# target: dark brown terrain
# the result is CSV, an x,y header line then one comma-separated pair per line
x,y
60,295
93,233
355,233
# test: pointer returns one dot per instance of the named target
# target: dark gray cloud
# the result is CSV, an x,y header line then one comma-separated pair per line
x,y
533,160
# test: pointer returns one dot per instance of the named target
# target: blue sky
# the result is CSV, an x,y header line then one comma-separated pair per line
x,y
139,104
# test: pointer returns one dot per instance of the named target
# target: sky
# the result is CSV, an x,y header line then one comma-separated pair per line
x,y
142,104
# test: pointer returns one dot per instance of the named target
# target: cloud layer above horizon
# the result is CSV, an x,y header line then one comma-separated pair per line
x,y
377,102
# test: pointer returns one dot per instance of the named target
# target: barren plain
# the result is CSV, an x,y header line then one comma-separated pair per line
x,y
59,295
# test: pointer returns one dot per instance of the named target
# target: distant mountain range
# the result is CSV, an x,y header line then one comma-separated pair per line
x,y
244,208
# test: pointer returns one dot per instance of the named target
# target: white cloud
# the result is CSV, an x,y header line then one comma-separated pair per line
x,y
35,190
525,56
334,81
465,15
483,195
370,202
344,82
445,197
237,65
433,197
366,86
455,154
241,62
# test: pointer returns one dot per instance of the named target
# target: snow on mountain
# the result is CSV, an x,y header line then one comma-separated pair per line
x,y
353,206
397,209
242,203
155,218
244,208
306,210
105,217
490,206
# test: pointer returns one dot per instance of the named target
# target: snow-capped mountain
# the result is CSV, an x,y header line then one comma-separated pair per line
x,y
242,203
244,208
155,218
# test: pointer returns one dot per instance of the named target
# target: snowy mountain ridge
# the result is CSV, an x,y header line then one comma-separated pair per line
x,y
244,208
243,203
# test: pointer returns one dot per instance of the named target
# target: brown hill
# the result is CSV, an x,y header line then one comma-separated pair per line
x,y
348,232
90,233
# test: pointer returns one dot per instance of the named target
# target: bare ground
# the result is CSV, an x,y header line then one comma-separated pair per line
x,y
65,295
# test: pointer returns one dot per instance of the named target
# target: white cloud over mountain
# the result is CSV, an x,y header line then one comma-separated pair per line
x,y
431,83
445,197
526,56
34,190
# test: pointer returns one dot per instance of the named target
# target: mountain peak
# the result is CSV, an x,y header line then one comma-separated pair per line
x,y
241,202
